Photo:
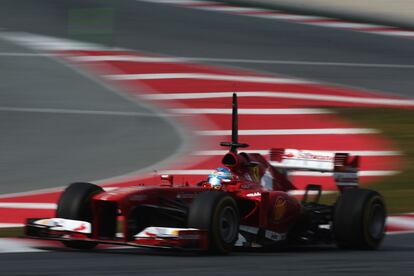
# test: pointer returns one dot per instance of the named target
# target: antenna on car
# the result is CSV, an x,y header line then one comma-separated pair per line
x,y
234,144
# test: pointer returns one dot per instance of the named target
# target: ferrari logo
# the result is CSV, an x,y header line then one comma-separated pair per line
x,y
279,209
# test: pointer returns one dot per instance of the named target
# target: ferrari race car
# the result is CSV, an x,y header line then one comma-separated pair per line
x,y
248,202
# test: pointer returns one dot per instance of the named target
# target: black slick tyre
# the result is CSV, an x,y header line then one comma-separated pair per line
x,y
359,219
75,203
217,213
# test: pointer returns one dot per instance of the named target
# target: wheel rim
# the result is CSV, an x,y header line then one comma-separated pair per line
x,y
376,221
228,224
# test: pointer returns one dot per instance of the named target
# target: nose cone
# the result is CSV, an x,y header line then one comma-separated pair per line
x,y
119,194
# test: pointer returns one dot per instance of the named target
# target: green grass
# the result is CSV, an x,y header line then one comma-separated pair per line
x,y
11,232
398,126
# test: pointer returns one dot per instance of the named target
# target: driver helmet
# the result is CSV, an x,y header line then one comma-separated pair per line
x,y
219,176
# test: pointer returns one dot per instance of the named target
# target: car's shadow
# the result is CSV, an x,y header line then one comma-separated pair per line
x,y
390,245
184,253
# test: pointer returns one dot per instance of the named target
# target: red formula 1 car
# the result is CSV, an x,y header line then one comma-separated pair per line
x,y
247,203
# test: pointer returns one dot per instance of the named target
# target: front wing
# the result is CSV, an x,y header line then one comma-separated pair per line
x,y
156,237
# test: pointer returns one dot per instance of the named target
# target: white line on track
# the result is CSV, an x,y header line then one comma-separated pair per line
x,y
128,58
253,111
201,76
40,42
285,95
287,16
27,205
16,54
346,25
394,33
403,222
178,2
80,112
400,232
10,225
230,9
12,245
266,152
299,62
132,58
320,131
297,173
186,172
360,173
48,190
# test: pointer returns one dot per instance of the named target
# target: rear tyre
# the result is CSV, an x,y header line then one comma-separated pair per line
x,y
75,203
359,219
217,213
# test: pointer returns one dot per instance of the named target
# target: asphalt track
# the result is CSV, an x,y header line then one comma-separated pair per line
x,y
396,257
182,32
48,139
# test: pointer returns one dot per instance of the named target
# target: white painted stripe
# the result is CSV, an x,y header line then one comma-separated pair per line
x,y
35,205
403,222
266,152
34,192
178,2
360,173
346,25
14,54
47,43
11,225
230,9
132,58
394,33
322,131
299,62
50,190
253,111
296,173
400,232
107,189
13,245
288,16
201,76
27,205
186,172
129,58
79,112
285,95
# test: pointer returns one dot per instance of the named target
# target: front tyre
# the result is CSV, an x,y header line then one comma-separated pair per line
x,y
359,219
75,203
217,213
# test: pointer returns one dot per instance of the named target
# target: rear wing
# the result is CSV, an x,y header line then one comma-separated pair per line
x,y
343,166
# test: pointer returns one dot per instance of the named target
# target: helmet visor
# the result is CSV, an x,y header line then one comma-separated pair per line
x,y
214,180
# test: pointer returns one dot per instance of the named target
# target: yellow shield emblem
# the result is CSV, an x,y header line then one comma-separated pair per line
x,y
279,209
